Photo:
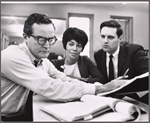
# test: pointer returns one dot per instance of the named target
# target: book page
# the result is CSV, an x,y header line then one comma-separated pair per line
x,y
128,82
71,111
129,110
97,100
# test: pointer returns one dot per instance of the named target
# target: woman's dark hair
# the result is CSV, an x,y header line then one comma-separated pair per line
x,y
76,34
35,18
113,24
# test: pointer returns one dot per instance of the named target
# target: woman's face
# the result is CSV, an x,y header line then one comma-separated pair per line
x,y
73,50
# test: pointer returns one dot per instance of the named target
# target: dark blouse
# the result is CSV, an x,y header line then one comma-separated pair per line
x,y
87,69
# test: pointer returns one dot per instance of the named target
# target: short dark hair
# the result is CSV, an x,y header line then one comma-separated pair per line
x,y
35,18
76,34
113,24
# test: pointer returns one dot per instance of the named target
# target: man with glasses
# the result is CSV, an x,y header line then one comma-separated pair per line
x,y
25,67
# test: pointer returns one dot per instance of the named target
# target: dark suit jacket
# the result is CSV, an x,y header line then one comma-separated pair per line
x,y
86,68
131,56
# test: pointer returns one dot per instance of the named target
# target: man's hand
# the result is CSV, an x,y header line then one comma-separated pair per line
x,y
110,86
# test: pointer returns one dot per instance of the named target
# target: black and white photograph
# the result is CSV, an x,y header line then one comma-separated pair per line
x,y
74,61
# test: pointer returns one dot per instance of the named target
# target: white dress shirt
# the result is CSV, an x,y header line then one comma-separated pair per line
x,y
19,75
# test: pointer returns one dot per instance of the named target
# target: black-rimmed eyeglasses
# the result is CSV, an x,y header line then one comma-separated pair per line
x,y
42,40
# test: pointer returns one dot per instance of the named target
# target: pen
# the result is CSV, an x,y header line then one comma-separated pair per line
x,y
125,73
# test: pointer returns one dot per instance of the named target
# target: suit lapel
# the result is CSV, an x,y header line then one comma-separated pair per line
x,y
121,58
103,64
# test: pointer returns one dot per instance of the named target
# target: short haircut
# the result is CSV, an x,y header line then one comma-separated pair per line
x,y
113,24
35,18
76,34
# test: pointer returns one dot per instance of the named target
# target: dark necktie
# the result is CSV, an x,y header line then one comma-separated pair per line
x,y
36,62
111,68
29,106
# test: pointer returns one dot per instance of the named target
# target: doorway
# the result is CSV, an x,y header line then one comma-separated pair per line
x,y
127,26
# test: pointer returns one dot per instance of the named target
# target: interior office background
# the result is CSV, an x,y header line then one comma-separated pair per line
x,y
133,16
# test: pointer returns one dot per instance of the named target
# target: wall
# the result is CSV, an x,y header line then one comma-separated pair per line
x,y
4,41
18,40
140,17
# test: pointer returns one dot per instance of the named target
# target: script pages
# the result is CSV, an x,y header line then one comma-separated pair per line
x,y
89,107
130,86
74,111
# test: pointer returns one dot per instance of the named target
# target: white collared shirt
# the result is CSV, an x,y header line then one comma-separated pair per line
x,y
115,62
19,75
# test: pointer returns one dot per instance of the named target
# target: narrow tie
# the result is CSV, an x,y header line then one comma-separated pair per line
x,y
35,63
111,68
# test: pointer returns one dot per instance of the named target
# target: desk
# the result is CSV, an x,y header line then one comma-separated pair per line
x,y
39,115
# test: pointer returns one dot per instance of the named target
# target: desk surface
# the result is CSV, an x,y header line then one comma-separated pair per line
x,y
39,115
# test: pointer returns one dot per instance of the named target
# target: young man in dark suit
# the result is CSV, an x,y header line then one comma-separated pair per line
x,y
124,55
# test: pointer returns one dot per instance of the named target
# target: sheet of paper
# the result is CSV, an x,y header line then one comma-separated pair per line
x,y
72,111
128,82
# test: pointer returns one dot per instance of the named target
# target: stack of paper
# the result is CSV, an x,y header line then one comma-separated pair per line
x,y
91,106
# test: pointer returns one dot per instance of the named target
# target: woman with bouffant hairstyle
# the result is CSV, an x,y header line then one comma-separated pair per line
x,y
74,65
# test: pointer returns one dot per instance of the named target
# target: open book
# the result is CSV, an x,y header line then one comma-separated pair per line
x,y
91,106
132,86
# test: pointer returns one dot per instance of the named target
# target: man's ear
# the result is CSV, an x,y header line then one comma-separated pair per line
x,y
25,37
121,37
